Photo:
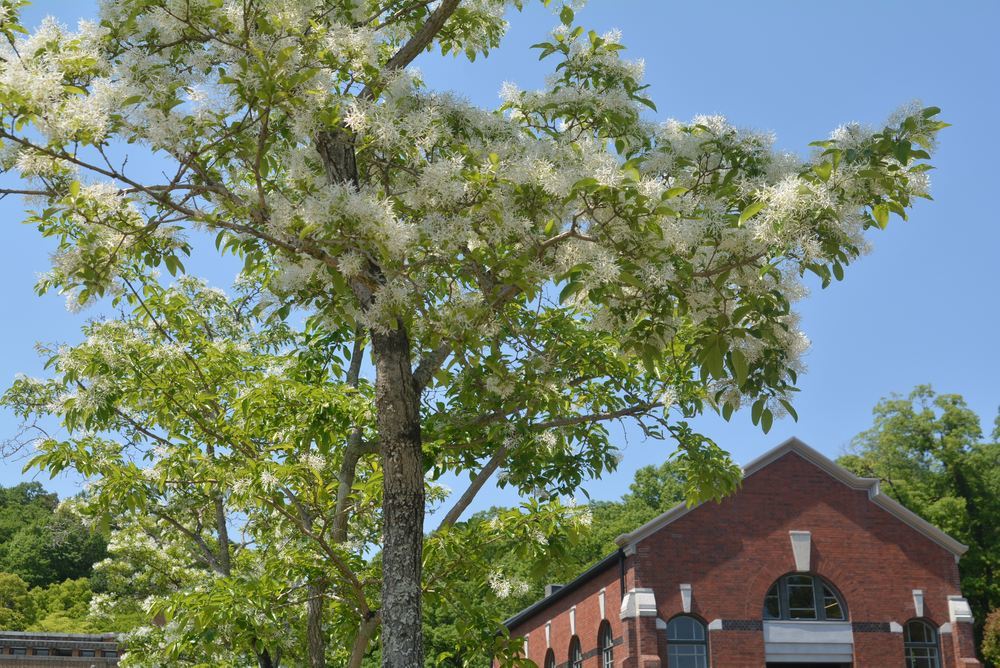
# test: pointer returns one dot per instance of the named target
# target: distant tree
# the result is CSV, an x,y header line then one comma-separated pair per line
x,y
64,607
17,607
928,451
41,542
991,638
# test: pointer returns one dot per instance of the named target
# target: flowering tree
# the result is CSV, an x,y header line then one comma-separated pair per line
x,y
519,277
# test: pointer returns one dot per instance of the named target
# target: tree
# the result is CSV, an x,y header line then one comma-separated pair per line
x,y
519,277
17,609
513,578
42,543
928,452
991,638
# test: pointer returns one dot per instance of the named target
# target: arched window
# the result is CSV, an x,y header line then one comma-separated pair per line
x,y
687,644
575,655
607,645
550,659
799,596
920,641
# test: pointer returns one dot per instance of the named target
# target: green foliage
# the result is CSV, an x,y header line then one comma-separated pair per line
x,y
928,451
511,570
991,638
42,543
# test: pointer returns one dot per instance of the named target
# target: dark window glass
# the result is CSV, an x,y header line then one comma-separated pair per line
x,y
606,643
86,652
803,597
920,645
60,651
20,651
109,652
575,655
772,603
686,644
41,651
831,605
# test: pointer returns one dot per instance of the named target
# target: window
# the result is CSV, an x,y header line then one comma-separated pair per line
x,y
109,652
87,652
921,645
803,597
41,651
607,645
575,655
20,651
687,646
550,659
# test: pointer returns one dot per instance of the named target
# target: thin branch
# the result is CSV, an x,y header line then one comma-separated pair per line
x,y
477,484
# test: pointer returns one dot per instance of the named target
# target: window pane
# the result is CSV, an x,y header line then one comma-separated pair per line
x,y
831,605
772,604
685,628
919,632
687,656
801,598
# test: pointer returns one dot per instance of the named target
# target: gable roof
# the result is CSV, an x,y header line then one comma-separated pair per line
x,y
835,471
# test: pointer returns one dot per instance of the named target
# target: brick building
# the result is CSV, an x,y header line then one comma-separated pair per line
x,y
807,565
55,650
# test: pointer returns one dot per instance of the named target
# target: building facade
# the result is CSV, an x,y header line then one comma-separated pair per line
x,y
806,565
54,650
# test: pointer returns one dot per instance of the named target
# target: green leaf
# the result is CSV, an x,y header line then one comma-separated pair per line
x,y
751,211
766,418
881,214
823,170
676,191
566,15
791,411
738,361
569,290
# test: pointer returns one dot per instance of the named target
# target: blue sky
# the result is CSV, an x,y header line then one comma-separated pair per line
x,y
922,308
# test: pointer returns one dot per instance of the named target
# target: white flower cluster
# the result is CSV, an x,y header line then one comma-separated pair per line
x,y
505,586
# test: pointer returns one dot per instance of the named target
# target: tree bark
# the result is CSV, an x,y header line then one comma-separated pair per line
x,y
397,405
315,639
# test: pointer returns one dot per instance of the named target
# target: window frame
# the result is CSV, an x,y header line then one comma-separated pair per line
x,y
606,645
935,645
689,642
575,653
818,600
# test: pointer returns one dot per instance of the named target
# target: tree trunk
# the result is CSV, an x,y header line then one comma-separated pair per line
x,y
397,406
314,627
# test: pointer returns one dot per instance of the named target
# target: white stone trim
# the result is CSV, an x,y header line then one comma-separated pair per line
x,y
945,628
959,610
660,625
548,635
526,644
686,597
639,602
600,602
895,627
627,541
572,621
918,602
801,549
715,625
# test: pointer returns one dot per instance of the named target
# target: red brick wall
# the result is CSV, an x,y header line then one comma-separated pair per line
x,y
731,552
588,620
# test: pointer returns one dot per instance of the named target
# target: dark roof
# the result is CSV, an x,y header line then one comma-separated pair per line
x,y
566,589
